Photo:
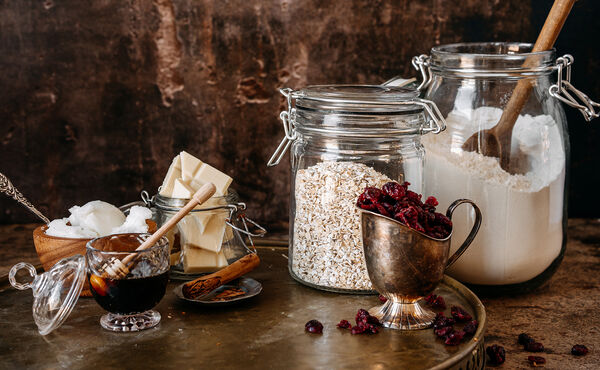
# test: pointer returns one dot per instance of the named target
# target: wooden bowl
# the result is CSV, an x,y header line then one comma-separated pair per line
x,y
51,249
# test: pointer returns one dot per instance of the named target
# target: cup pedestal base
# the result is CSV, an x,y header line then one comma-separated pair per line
x,y
127,323
403,316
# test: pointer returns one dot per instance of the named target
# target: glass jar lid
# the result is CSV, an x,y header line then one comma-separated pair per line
x,y
55,292
357,99
356,111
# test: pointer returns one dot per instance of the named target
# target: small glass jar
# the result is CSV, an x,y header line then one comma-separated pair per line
x,y
344,138
219,215
523,195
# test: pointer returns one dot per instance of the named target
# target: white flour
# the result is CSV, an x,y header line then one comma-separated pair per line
x,y
521,233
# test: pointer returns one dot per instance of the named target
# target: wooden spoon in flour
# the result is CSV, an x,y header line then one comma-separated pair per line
x,y
496,142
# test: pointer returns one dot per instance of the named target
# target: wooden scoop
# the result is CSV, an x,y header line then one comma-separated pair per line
x,y
195,289
497,140
118,269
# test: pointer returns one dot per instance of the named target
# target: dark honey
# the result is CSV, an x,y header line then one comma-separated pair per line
x,y
128,296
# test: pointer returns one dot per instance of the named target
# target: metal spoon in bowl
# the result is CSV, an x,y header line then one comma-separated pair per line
x,y
9,189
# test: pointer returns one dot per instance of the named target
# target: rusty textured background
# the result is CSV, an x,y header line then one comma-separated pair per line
x,y
97,96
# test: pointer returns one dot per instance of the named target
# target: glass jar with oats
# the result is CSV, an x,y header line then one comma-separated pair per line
x,y
342,139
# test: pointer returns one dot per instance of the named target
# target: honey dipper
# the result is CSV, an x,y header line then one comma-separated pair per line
x,y
118,269
496,141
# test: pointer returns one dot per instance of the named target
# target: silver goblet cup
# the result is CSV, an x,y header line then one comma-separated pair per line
x,y
406,265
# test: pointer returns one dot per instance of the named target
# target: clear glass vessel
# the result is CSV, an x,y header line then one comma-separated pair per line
x,y
521,184
344,138
128,297
220,222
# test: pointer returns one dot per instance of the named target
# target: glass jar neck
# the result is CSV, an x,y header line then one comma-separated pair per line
x,y
364,126
491,59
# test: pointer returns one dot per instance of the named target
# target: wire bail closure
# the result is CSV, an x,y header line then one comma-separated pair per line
x,y
564,91
435,124
287,119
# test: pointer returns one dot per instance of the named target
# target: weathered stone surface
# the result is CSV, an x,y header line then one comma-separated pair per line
x,y
98,96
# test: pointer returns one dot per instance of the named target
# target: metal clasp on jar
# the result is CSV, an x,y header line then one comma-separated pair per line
x,y
563,88
435,124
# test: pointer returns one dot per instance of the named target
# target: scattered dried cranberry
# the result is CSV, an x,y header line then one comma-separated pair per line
x,y
534,347
454,338
314,326
536,361
579,350
459,314
442,321
358,329
344,324
524,338
496,353
382,299
365,323
471,327
436,301
442,332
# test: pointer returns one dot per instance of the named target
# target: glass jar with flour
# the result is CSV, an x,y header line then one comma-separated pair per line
x,y
514,166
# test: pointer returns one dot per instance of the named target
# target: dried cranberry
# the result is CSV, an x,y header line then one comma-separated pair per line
x,y
534,347
314,326
361,316
382,299
536,361
358,329
496,353
459,314
454,338
344,324
436,301
441,321
524,338
370,198
579,350
442,332
471,327
432,202
394,190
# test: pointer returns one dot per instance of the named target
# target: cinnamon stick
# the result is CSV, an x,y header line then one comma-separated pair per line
x,y
195,289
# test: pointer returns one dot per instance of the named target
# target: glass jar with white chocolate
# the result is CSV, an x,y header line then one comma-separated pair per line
x,y
211,235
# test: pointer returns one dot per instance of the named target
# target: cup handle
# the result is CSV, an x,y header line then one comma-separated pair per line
x,y
471,235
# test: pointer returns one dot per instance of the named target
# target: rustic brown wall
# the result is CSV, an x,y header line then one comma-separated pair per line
x,y
97,96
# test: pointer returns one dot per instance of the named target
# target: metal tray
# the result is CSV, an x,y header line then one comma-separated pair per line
x,y
266,331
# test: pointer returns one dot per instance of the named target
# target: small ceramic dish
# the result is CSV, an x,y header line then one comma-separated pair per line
x,y
232,292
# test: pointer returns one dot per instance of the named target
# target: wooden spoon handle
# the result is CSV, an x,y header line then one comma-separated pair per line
x,y
199,197
197,288
546,39
554,23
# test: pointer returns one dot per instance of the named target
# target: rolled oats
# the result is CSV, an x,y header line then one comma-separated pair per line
x,y
327,246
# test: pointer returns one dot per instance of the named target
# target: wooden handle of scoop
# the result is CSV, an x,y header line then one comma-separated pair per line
x,y
203,285
199,197
548,35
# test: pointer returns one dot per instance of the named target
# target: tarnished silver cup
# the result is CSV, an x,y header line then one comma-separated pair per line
x,y
406,265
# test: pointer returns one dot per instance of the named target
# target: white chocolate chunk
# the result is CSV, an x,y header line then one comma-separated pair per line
x,y
211,238
174,172
206,174
197,260
193,226
175,258
182,190
189,166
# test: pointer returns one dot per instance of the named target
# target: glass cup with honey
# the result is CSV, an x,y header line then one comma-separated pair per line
x,y
130,297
